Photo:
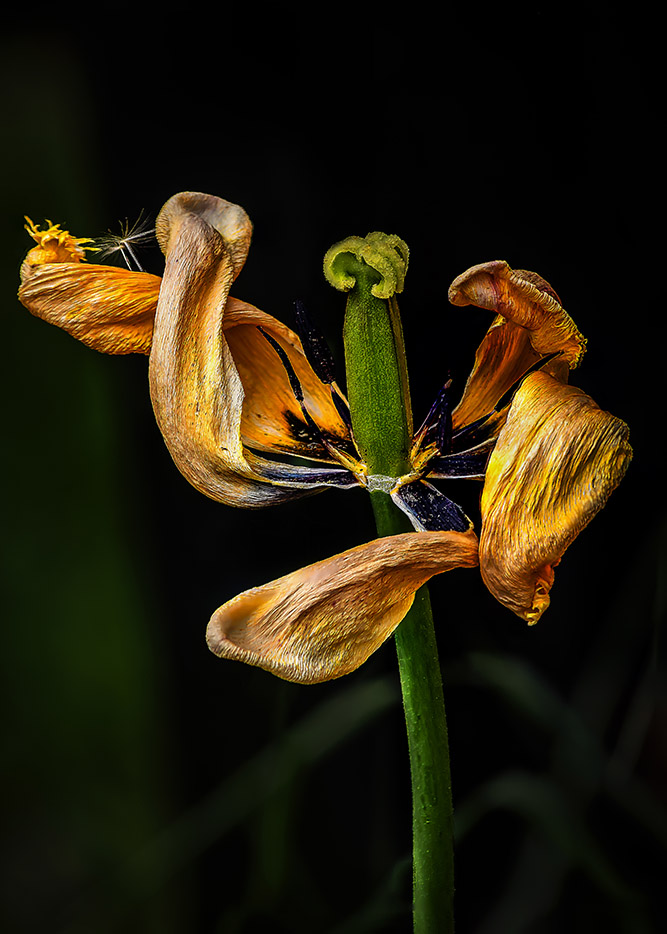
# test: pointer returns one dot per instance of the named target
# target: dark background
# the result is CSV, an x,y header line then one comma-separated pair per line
x,y
151,787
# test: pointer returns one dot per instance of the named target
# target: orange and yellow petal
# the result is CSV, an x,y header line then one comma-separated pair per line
x,y
557,459
105,307
530,323
272,418
502,358
324,621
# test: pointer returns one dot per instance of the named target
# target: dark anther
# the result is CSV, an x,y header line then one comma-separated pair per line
x,y
443,437
430,509
329,442
314,344
470,464
320,358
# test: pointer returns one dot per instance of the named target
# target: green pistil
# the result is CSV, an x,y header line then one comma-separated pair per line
x,y
371,270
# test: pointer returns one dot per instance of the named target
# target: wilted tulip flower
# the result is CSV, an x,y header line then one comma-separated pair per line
x,y
252,415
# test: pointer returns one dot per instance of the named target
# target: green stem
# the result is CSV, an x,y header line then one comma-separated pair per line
x,y
424,706
378,393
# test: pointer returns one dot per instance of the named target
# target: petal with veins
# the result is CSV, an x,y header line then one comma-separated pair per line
x,y
558,458
106,307
325,620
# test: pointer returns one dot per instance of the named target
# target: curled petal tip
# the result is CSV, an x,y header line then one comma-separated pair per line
x,y
324,621
525,299
475,285
228,219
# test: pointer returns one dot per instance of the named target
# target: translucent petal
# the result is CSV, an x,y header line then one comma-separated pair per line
x,y
428,509
325,620
558,458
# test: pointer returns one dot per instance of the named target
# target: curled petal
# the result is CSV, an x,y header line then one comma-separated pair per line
x,y
214,381
105,307
530,323
524,298
325,620
501,359
558,458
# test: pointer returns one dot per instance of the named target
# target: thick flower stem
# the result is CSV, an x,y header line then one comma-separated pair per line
x,y
377,388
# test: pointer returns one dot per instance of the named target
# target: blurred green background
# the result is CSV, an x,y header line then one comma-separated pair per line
x,y
151,787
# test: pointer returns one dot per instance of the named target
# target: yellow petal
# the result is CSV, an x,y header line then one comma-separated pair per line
x,y
197,387
530,323
325,620
105,307
558,458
